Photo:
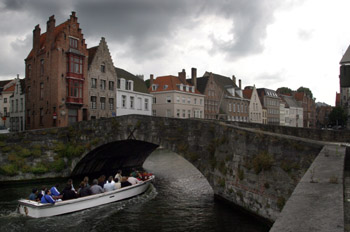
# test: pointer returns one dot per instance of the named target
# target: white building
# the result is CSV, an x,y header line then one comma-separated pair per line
x,y
293,112
17,107
132,94
6,90
255,107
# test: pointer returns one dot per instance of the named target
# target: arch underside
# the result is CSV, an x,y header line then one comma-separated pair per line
x,y
109,158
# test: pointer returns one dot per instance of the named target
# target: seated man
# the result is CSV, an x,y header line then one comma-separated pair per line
x,y
95,188
109,185
47,198
68,193
54,191
33,196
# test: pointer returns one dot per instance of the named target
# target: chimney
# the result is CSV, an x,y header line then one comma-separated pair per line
x,y
36,39
73,17
182,76
240,83
234,79
194,77
151,80
50,27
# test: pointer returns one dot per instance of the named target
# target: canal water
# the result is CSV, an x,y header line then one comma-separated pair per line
x,y
179,200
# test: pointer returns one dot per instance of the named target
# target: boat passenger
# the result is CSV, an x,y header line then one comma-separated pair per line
x,y
95,188
118,176
109,185
54,190
33,196
68,193
102,181
132,180
86,180
70,182
47,198
41,193
134,173
84,190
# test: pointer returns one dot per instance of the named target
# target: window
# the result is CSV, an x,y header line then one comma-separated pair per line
x,y
28,116
111,85
118,83
154,112
165,86
103,84
5,100
42,67
168,99
103,67
111,103
195,101
229,107
168,113
73,43
72,116
184,113
41,116
41,91
103,103
128,85
201,101
146,104
16,105
29,71
178,99
188,113
75,64
93,102
132,102
154,100
183,100
178,113
189,100
93,83
76,89
123,101
12,106
139,103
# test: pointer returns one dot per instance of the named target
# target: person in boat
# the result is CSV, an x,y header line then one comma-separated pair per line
x,y
86,180
54,190
33,196
118,176
109,185
47,198
84,190
70,182
95,188
68,193
41,193
132,180
101,181
134,173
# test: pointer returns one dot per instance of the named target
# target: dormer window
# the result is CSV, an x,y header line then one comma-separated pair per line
x,y
193,89
187,88
181,87
154,87
165,86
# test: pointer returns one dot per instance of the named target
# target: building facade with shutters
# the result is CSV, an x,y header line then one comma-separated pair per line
x,y
56,91
133,96
17,107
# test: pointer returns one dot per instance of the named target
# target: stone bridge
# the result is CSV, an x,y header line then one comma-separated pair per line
x,y
254,169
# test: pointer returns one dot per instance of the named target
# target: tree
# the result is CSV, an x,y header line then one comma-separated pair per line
x,y
338,116
284,90
305,90
147,82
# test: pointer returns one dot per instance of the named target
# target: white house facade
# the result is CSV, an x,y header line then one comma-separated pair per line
x,y
17,107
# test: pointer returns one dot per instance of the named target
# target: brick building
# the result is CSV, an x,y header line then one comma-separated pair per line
x,y
271,102
309,108
56,72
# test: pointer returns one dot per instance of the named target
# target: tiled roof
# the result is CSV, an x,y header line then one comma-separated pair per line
x,y
169,83
139,84
299,96
222,81
291,102
247,93
92,52
11,88
3,83
57,31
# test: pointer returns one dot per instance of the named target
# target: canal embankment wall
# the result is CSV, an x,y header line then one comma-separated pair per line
x,y
317,202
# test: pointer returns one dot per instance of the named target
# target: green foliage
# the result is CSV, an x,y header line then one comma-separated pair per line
x,y
305,90
284,90
24,152
69,150
148,83
222,168
193,156
2,144
281,201
182,148
95,141
39,169
338,116
6,149
9,170
262,162
222,182
288,166
36,152
58,165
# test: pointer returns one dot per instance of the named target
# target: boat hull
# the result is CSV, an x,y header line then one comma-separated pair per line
x,y
37,210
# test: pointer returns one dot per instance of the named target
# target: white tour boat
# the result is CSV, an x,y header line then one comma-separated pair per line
x,y
37,210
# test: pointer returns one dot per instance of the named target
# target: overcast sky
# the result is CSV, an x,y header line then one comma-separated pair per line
x,y
269,43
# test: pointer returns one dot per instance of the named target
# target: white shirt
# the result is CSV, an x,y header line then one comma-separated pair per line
x,y
133,180
109,186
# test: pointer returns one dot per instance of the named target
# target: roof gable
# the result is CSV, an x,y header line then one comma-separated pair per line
x,y
139,84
